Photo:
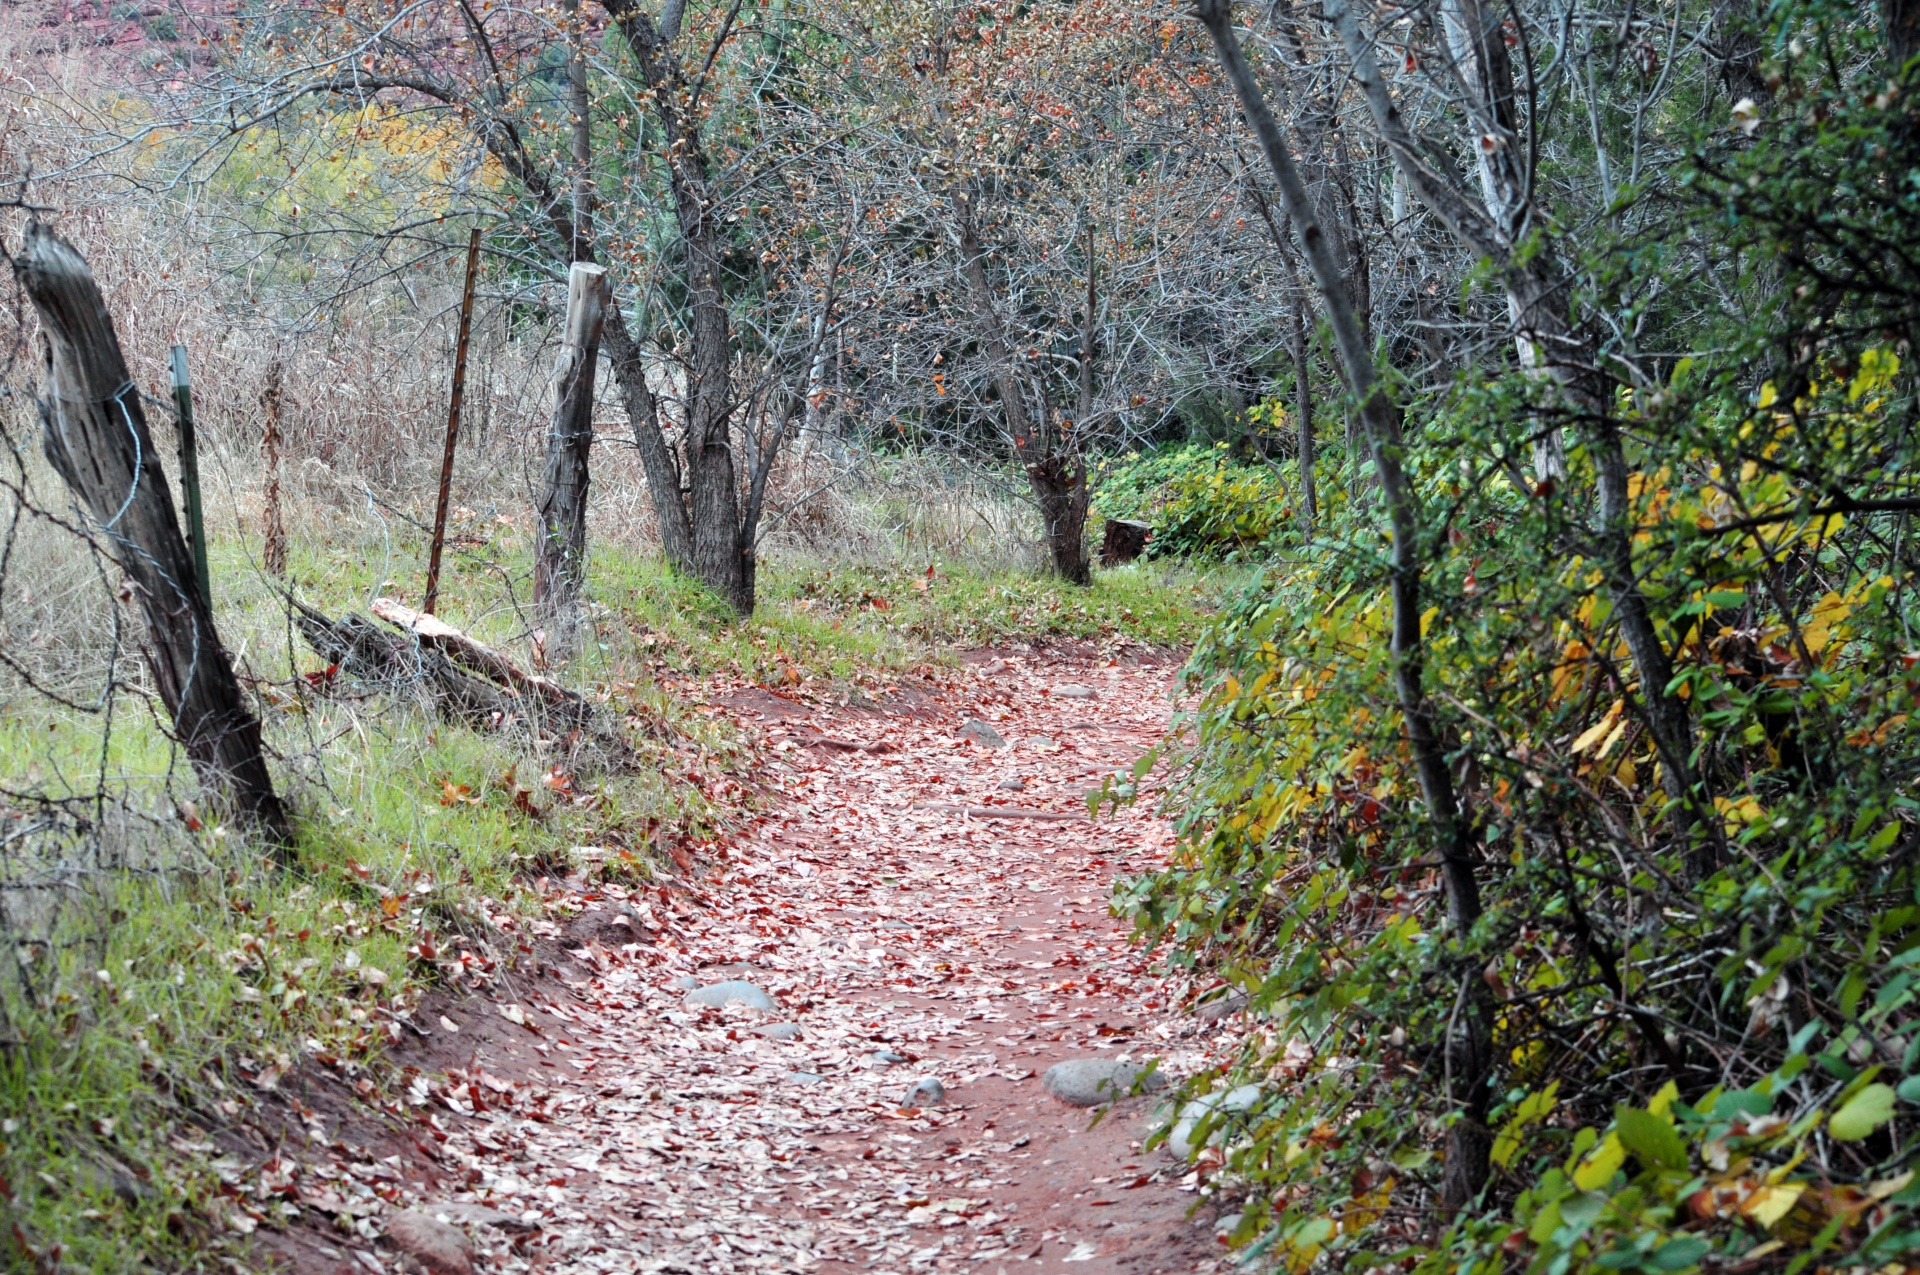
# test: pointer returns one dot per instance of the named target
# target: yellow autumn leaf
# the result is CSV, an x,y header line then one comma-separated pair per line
x,y
1600,1165
1738,813
1592,735
1771,1203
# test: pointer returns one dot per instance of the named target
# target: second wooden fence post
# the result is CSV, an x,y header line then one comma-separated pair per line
x,y
560,568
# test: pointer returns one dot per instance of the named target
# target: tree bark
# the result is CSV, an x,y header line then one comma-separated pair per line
x,y
560,566
1900,26
664,480
1467,1049
97,441
273,552
1303,409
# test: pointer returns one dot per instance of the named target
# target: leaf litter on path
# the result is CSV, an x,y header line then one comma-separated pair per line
x,y
902,939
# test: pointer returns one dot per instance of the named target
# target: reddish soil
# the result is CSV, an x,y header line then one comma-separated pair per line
x,y
906,937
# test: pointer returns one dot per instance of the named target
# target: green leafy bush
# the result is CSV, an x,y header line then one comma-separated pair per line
x,y
1199,500
1691,995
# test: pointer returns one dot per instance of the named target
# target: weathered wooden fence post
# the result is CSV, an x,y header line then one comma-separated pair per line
x,y
453,423
274,541
560,566
97,440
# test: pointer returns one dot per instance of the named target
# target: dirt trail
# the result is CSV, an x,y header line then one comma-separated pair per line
x,y
907,940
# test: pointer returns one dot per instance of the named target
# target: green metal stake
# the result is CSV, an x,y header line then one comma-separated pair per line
x,y
190,473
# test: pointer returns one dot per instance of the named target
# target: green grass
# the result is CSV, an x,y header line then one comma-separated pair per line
x,y
159,991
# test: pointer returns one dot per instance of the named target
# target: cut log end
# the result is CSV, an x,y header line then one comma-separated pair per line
x,y
1124,541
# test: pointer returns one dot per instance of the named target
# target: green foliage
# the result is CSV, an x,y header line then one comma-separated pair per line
x,y
1701,1003
1200,500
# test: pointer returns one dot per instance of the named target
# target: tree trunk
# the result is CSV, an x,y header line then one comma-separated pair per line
x,y
664,480
1900,26
1056,474
97,440
1538,300
1467,1049
1303,410
560,567
718,553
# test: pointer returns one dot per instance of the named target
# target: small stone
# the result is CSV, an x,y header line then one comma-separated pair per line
x,y
1016,784
687,983
466,1213
441,1248
1221,1007
1088,1082
806,1078
1076,692
779,1031
885,1058
925,1093
731,992
980,732
1230,1102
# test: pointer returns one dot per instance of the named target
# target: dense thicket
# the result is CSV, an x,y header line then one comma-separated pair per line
x,y
1642,997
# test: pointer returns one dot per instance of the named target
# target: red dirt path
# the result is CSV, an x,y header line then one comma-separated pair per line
x,y
646,1137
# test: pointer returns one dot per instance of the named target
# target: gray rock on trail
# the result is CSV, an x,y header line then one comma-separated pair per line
x,y
1016,784
806,1078
779,1031
1076,692
1221,1103
885,1058
731,992
441,1248
1088,1082
979,731
926,1093
686,983
1224,1006
466,1213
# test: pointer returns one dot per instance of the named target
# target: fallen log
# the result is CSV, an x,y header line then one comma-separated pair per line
x,y
461,677
356,648
478,657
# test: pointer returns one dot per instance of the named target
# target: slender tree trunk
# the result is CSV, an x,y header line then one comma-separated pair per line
x,y
97,441
1467,1049
664,481
1055,470
1303,410
560,565
1537,298
1900,27
811,412
718,553
580,107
